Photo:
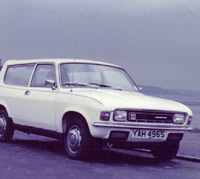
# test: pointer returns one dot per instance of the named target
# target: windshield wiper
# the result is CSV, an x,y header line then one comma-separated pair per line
x,y
106,86
78,84
100,85
91,85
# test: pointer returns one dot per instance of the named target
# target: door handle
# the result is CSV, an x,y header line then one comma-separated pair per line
x,y
27,93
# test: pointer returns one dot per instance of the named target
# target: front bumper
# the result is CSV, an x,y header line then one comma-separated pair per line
x,y
104,131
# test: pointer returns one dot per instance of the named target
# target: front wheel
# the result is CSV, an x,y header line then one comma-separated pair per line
x,y
166,151
6,126
77,139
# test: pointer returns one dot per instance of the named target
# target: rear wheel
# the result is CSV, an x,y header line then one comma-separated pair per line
x,y
77,139
6,126
167,151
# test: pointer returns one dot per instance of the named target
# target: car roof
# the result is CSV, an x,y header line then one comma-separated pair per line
x,y
57,61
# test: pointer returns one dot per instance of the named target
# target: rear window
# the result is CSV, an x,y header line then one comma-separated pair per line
x,y
19,75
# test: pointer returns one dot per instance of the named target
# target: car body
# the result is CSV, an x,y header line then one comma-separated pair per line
x,y
82,101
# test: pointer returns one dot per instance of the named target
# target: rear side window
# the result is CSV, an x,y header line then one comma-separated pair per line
x,y
19,75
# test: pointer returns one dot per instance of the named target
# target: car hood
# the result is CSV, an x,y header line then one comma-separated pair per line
x,y
113,99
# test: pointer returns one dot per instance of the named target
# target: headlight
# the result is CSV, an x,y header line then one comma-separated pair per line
x,y
179,118
120,116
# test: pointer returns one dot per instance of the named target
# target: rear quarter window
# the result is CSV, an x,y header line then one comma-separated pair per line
x,y
18,75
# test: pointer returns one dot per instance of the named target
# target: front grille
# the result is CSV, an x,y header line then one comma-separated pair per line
x,y
150,117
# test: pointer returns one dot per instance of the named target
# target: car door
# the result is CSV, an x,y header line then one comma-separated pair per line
x,y
40,99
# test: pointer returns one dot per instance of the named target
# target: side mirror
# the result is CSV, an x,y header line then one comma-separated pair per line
x,y
140,88
51,84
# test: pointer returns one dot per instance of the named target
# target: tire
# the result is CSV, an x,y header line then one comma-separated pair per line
x,y
166,151
6,126
77,139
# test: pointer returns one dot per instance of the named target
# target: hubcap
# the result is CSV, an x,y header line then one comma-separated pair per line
x,y
2,125
74,139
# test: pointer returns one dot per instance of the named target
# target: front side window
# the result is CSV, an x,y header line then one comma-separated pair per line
x,y
19,75
103,76
42,73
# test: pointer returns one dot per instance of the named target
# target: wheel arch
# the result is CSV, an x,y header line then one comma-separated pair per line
x,y
3,107
7,126
69,115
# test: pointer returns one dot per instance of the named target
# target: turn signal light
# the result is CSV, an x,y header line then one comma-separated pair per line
x,y
105,116
189,121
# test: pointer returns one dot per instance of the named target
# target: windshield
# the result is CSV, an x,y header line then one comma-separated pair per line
x,y
93,75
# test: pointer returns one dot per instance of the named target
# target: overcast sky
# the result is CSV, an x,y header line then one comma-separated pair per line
x,y
157,41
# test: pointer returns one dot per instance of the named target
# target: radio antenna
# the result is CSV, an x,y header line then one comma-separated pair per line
x,y
0,65
76,48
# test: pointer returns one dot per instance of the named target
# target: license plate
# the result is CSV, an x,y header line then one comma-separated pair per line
x,y
148,134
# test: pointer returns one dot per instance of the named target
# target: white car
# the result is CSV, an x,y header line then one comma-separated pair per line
x,y
87,103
